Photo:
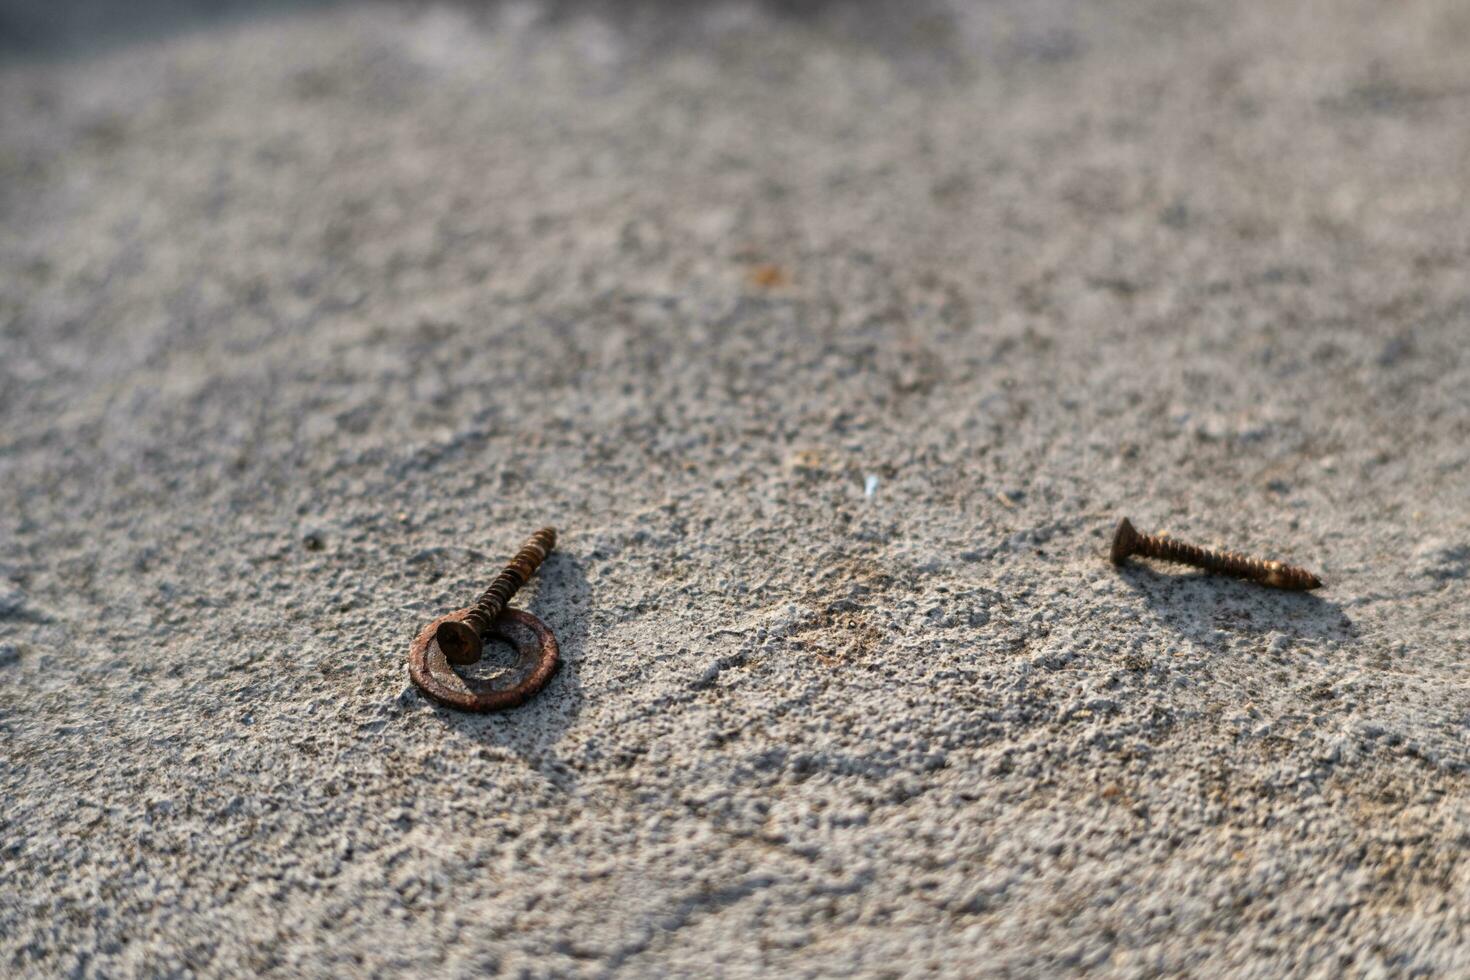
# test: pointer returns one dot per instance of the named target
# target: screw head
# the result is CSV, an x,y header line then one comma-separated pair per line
x,y
1125,541
460,643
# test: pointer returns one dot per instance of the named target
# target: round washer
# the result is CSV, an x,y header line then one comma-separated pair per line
x,y
433,675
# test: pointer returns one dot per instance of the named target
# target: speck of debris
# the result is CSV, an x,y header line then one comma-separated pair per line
x,y
767,275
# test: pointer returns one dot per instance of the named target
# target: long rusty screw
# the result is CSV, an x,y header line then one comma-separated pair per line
x,y
1128,541
461,639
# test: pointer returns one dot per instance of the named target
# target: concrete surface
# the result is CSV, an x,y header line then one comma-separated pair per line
x,y
308,318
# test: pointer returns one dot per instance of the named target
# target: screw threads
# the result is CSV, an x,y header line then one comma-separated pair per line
x,y
1128,541
492,603
460,638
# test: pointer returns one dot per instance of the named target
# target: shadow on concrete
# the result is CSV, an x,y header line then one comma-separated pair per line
x,y
560,595
1192,601
921,30
64,27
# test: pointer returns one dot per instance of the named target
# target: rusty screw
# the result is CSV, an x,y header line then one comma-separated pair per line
x,y
461,639
1127,541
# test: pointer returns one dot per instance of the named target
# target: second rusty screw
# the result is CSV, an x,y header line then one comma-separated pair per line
x,y
1128,541
461,640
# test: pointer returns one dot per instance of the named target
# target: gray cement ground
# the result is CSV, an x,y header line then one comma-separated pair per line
x,y
407,281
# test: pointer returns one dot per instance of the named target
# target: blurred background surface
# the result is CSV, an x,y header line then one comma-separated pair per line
x,y
834,338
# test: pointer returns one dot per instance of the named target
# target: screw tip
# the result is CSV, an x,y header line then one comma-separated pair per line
x,y
460,644
544,539
1125,540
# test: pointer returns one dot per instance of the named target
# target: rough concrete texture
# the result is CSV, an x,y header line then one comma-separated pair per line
x,y
308,318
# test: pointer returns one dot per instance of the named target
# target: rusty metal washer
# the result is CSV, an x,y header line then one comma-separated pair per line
x,y
434,676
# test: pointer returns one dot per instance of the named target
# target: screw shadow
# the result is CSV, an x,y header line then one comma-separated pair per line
x,y
919,32
1195,602
561,596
